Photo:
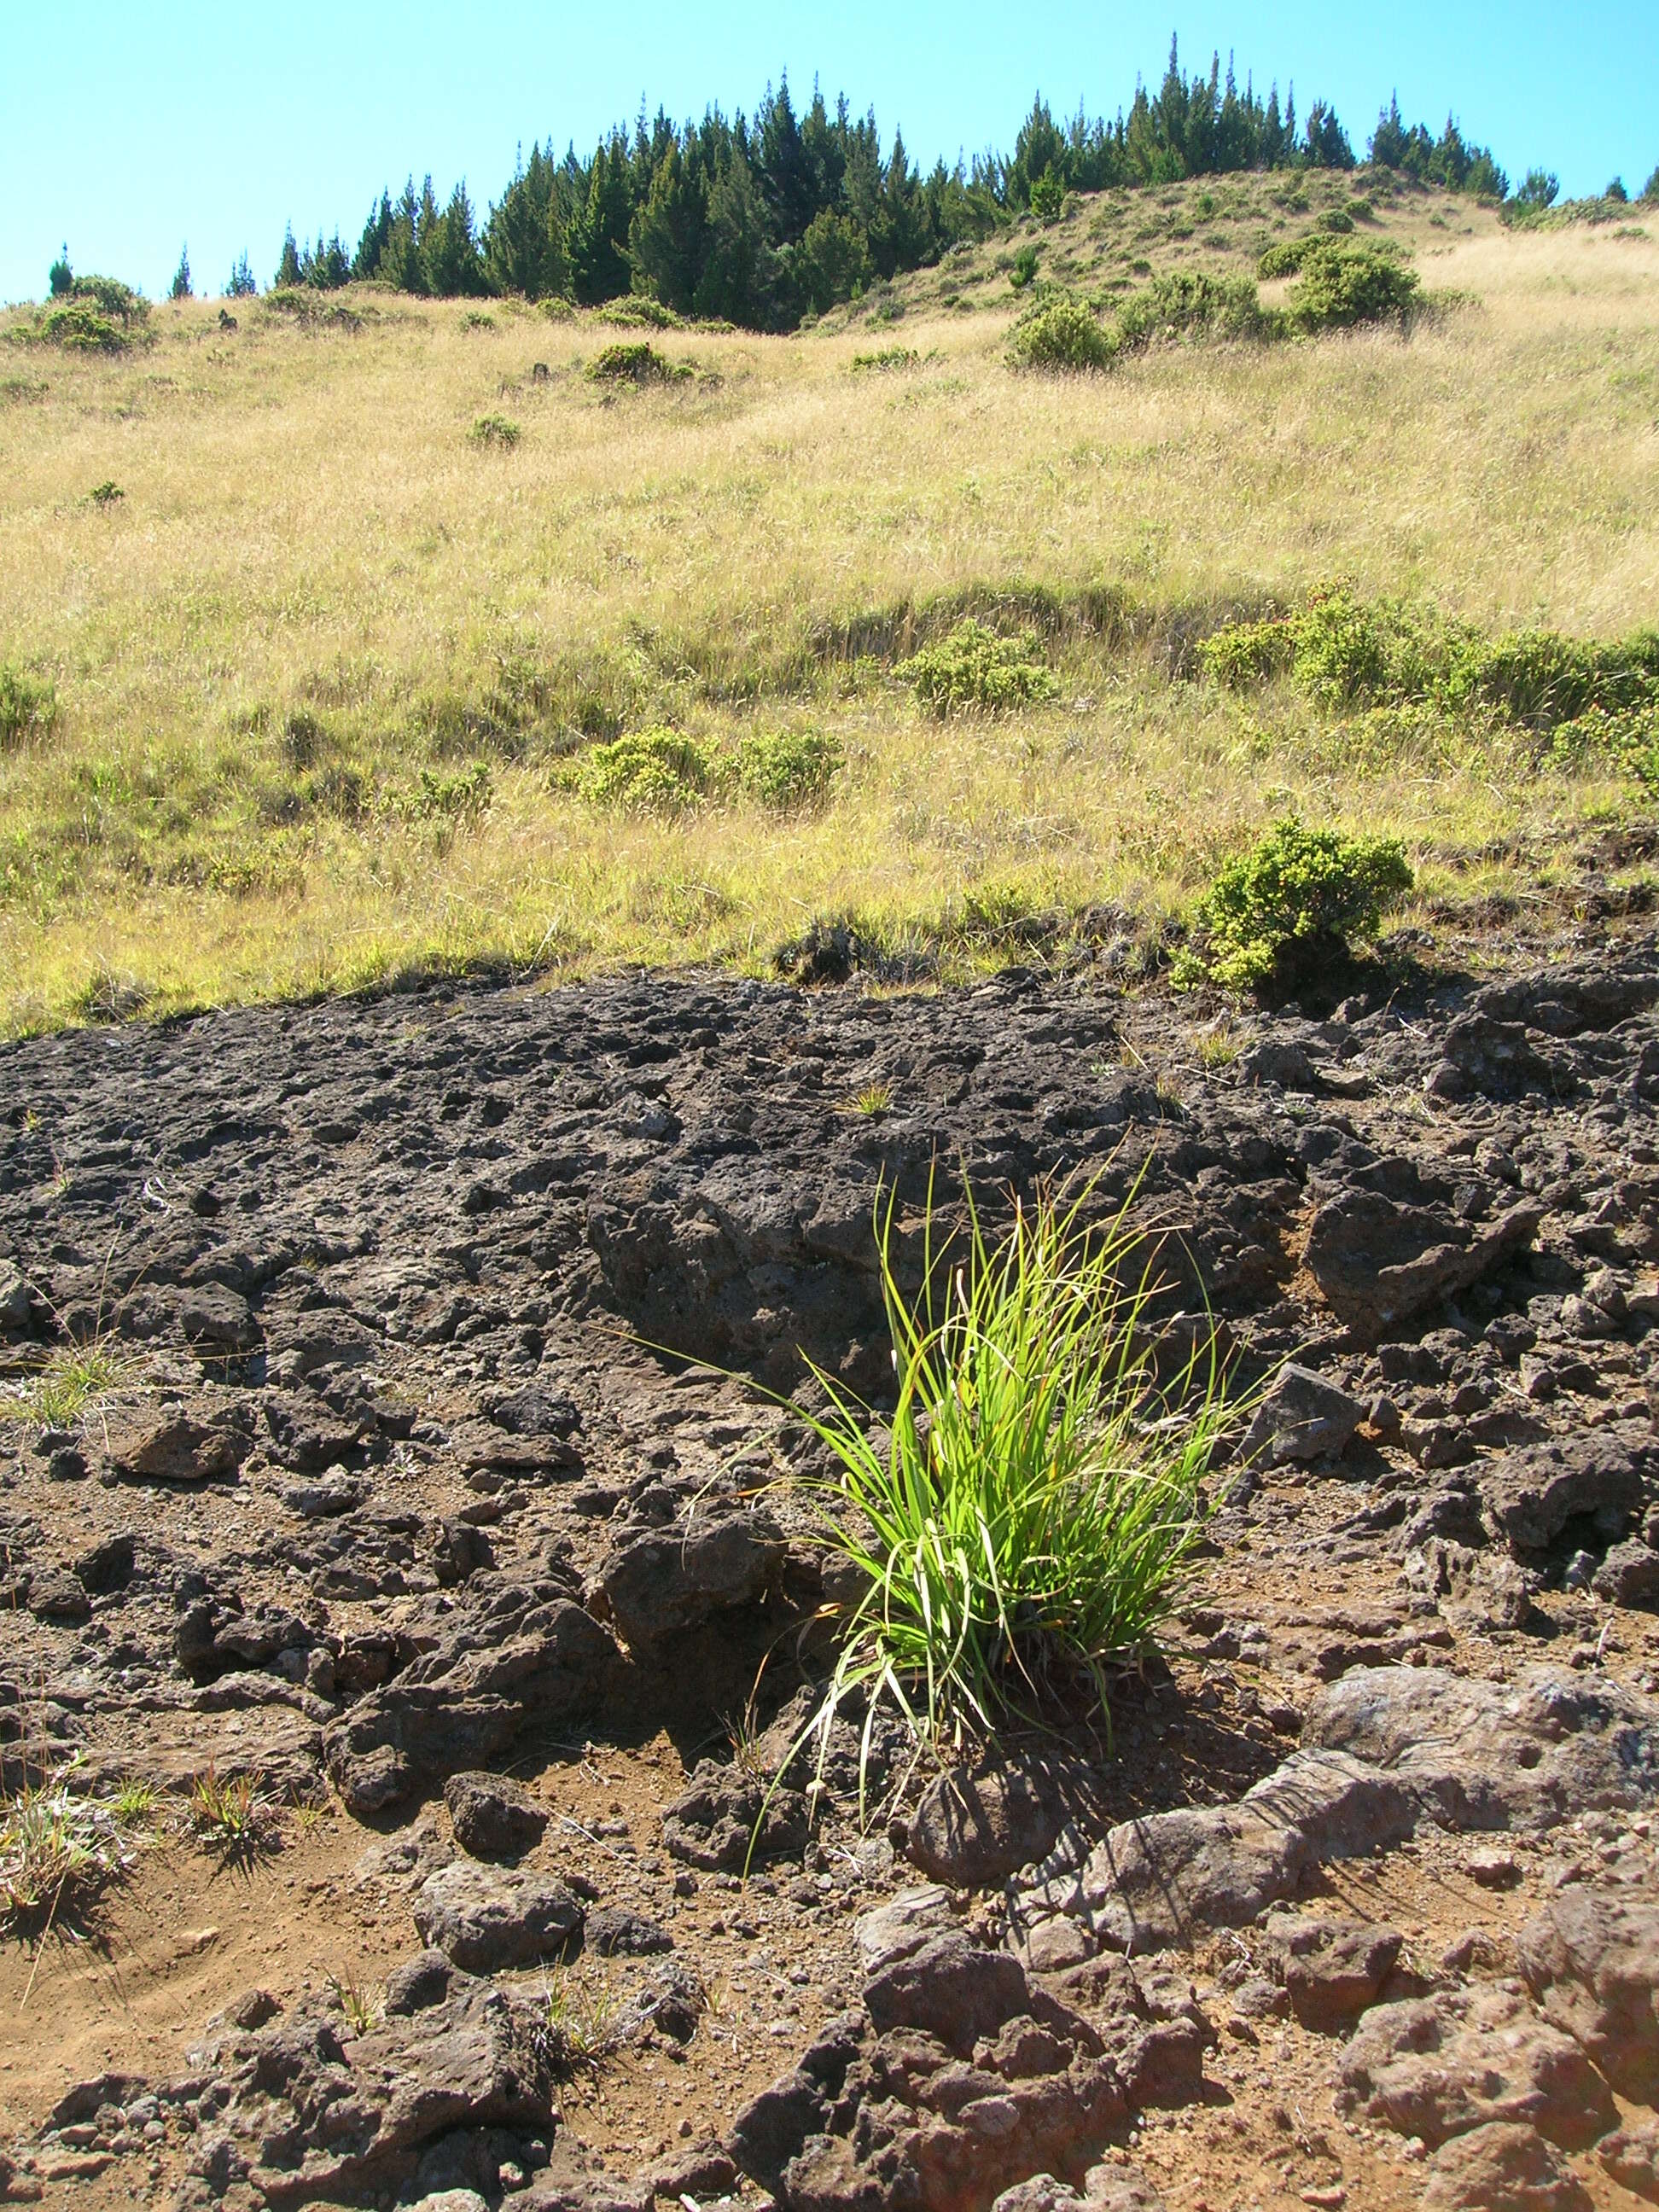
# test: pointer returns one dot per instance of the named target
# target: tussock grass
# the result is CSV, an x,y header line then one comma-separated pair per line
x,y
1027,1521
308,531
61,1849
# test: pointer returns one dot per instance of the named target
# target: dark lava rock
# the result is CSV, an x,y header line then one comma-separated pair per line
x,y
520,1652
1303,1417
612,1932
1501,2167
494,1818
1631,2155
1438,2066
218,1320
1628,1575
1591,1958
727,1819
1378,1261
949,1989
107,1567
418,1984
1332,1969
656,1584
1530,1495
487,1918
973,1830
175,1448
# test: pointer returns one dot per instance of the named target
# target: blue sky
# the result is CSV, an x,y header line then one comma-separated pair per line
x,y
127,129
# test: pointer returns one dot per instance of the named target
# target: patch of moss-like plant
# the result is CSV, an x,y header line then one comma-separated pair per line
x,y
636,362
975,670
1300,895
656,771
1060,336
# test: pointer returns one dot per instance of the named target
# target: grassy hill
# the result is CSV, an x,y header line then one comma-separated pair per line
x,y
313,700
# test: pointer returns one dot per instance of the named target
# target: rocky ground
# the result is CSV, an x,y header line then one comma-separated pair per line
x,y
385,1504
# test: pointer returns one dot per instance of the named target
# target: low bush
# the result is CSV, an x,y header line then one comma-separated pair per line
x,y
1024,1519
28,707
1284,259
111,297
78,328
1342,650
1024,267
975,670
1186,305
498,430
639,314
1060,336
463,796
787,769
889,357
1300,895
1340,287
657,771
636,362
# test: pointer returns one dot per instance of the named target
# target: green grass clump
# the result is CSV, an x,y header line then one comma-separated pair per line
x,y
788,768
1300,893
975,670
657,771
68,1387
890,358
1060,336
28,707
500,430
59,1850
1028,1520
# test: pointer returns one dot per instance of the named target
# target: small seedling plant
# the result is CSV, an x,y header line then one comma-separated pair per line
x,y
1030,1515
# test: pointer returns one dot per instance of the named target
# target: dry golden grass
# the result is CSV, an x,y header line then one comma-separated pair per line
x,y
308,529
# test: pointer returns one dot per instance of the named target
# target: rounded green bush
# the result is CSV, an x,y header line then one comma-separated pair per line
x,y
1061,338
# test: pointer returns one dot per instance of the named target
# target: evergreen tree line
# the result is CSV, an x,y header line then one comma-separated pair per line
x,y
761,220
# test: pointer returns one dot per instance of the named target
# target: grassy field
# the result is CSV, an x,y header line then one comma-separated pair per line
x,y
321,602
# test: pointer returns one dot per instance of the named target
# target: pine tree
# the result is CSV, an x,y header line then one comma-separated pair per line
x,y
669,239
60,277
596,240
740,278
243,284
1651,190
372,245
179,289
288,269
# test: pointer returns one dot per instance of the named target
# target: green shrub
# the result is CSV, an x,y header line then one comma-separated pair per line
x,y
495,430
656,771
889,357
107,493
1024,267
1284,259
1538,677
1029,1518
1300,892
111,297
81,329
1060,337
28,707
788,768
463,796
1047,197
974,669
638,362
1243,654
1189,305
639,314
1337,221
1341,287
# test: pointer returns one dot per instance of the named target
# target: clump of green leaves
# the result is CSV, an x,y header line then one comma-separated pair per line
x,y
1059,336
636,362
787,769
1024,268
1300,893
463,796
975,670
72,1384
1342,285
890,358
498,430
28,707
655,771
1189,305
1026,1520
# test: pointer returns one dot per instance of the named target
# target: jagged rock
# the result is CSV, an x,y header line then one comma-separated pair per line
x,y
175,1448
656,1583
1438,2066
1151,1884
522,1652
1628,1575
1479,1754
486,1918
1591,1958
613,1932
1530,1495
948,1988
1631,2155
418,1984
1303,1417
903,1924
727,1819
1332,1969
1105,2189
217,1320
1496,1058
1377,1261
494,1818
1474,1589
973,1830
1501,2167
